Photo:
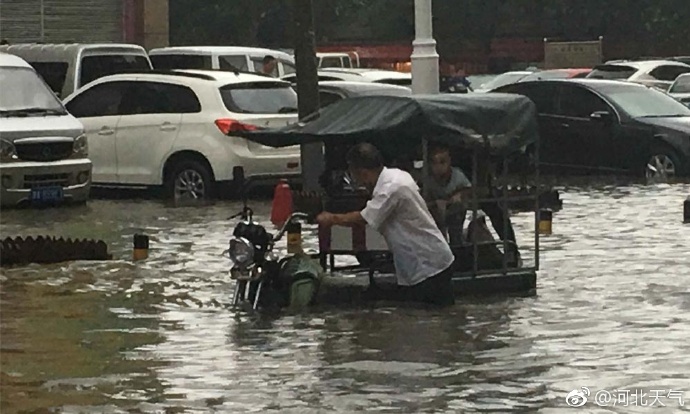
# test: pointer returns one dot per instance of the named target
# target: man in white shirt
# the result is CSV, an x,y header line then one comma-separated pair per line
x,y
397,210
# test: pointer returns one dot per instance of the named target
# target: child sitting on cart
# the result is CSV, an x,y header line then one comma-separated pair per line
x,y
449,192
446,191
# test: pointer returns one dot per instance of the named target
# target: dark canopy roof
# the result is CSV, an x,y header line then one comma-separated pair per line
x,y
508,121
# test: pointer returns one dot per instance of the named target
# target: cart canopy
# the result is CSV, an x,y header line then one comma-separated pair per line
x,y
500,123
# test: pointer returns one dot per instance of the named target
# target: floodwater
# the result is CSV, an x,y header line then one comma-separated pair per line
x,y
612,313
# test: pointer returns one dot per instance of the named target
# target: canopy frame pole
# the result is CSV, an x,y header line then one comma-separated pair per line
x,y
505,213
475,207
425,168
537,215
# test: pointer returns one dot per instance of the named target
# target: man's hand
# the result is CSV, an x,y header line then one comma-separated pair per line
x,y
326,219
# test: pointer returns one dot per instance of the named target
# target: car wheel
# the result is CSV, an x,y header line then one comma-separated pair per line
x,y
663,163
190,180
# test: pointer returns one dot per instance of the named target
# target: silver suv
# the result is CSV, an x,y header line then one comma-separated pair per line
x,y
43,149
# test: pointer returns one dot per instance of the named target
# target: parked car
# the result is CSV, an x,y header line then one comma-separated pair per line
x,y
333,91
502,79
556,74
390,77
171,129
599,125
338,60
67,66
245,59
657,73
43,149
681,89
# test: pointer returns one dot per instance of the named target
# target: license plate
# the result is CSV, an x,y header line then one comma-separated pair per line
x,y
47,194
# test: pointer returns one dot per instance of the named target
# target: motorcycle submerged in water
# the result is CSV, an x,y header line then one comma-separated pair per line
x,y
263,278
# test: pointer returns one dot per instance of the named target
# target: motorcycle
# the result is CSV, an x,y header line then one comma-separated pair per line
x,y
264,279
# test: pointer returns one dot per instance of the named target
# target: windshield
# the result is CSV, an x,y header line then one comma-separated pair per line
x,y
682,85
23,89
502,80
259,98
97,66
647,103
612,72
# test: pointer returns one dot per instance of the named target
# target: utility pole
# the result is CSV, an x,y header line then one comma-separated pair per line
x,y
312,157
424,57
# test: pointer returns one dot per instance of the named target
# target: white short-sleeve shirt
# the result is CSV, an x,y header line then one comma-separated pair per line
x,y
398,211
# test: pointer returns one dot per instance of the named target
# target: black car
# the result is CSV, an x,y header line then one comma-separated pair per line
x,y
609,126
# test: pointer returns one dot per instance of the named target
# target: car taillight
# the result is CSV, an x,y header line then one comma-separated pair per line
x,y
227,126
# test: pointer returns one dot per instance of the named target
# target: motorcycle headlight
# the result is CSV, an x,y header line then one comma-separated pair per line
x,y
241,251
7,151
81,146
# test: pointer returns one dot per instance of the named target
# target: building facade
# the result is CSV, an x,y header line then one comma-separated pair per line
x,y
144,22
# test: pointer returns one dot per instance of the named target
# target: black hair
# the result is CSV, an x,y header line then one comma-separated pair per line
x,y
4,42
364,156
268,59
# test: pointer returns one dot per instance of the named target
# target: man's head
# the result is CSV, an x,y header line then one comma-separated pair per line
x,y
440,161
364,163
269,64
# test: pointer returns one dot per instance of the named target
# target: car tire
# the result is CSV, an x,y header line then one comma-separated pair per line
x,y
663,162
190,180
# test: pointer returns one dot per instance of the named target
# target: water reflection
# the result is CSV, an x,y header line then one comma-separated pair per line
x,y
158,336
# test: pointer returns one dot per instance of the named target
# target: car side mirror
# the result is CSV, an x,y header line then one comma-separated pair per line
x,y
601,116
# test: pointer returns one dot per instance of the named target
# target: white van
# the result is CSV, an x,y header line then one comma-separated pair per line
x,y
68,66
230,58
43,149
338,60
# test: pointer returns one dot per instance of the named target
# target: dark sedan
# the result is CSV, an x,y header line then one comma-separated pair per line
x,y
609,126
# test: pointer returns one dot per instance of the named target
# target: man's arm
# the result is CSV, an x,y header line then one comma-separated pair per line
x,y
353,218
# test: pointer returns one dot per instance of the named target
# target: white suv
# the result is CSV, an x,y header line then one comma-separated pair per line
x,y
174,129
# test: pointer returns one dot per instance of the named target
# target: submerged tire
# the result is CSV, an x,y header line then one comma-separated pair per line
x,y
663,162
190,180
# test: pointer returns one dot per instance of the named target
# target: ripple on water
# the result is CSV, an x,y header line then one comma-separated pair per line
x,y
612,312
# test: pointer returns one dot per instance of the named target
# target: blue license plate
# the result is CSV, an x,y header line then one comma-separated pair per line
x,y
47,194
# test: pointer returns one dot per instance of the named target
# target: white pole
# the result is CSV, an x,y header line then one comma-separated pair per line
x,y
424,57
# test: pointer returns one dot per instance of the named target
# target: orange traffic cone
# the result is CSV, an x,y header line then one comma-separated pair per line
x,y
282,203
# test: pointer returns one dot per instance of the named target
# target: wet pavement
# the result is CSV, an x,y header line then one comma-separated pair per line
x,y
612,313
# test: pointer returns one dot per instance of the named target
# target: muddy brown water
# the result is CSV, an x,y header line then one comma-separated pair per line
x,y
612,312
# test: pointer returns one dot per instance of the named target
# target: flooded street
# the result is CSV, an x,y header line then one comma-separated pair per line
x,y
612,312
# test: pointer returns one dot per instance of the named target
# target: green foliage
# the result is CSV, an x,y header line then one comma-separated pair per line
x,y
646,23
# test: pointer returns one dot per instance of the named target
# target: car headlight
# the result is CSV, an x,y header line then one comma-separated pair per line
x,y
81,146
7,151
241,251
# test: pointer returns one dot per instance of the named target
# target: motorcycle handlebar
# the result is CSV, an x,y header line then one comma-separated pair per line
x,y
293,216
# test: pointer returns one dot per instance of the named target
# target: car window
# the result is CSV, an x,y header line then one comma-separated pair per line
x,y
612,72
22,89
331,62
577,102
54,73
236,62
668,72
326,98
259,98
682,85
542,94
94,67
101,100
159,98
259,65
645,102
167,62
288,68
